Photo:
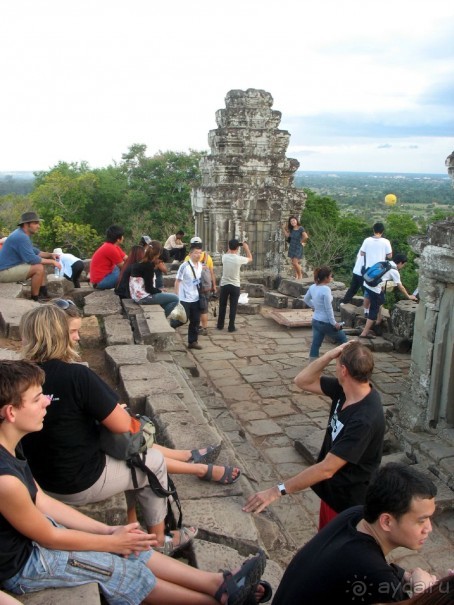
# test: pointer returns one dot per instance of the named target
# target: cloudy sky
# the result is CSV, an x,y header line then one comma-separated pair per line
x,y
362,85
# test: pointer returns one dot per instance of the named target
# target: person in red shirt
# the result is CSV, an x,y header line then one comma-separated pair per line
x,y
108,259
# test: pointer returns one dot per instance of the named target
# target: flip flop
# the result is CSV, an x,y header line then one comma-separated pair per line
x,y
212,452
187,534
238,586
226,479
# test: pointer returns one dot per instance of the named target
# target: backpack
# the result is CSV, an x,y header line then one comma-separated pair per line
x,y
132,448
373,275
205,281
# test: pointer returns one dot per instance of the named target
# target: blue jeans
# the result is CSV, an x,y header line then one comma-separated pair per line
x,y
122,580
109,281
167,301
320,329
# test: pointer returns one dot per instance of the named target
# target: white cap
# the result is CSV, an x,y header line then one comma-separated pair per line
x,y
196,240
58,251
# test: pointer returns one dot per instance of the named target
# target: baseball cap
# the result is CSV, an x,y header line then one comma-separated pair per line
x,y
196,240
145,239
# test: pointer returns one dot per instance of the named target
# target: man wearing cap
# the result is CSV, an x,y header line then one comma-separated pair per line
x,y
230,281
208,271
20,260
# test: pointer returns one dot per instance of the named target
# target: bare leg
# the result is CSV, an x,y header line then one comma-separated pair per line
x,y
204,320
178,583
199,470
37,275
367,327
297,267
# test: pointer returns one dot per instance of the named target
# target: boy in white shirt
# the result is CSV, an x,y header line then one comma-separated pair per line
x,y
376,294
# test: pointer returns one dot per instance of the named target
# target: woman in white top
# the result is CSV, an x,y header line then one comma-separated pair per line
x,y
320,298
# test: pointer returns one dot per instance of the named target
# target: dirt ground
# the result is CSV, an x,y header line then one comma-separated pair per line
x,y
94,357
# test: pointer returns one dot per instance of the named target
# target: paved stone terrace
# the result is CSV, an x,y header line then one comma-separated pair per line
x,y
246,382
239,387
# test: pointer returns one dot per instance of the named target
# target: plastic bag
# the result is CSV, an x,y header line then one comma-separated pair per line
x,y
178,313
243,300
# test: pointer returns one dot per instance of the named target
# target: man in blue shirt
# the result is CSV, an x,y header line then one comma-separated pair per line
x,y
20,260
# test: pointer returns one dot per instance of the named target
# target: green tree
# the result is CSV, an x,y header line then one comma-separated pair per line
x,y
78,239
64,191
158,198
12,206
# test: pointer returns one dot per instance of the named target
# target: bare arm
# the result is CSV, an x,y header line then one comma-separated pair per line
x,y
118,421
309,476
405,293
177,286
247,251
84,534
309,378
304,237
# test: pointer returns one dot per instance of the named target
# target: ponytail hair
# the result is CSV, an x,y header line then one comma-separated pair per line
x,y
321,273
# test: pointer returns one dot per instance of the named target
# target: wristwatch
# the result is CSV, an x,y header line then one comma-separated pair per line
x,y
281,488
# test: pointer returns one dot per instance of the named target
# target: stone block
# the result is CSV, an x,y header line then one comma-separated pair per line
x,y
254,290
403,318
87,594
276,300
140,382
380,345
102,303
112,511
212,556
292,287
118,330
252,307
121,355
309,443
11,311
298,303
349,313
91,335
8,354
131,308
160,333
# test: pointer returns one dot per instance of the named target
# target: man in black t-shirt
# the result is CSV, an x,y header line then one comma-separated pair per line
x,y
353,443
345,562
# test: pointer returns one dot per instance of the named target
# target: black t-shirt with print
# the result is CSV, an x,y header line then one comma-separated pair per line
x,y
65,457
355,435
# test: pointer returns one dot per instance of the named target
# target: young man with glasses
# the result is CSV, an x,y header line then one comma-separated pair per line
x,y
20,260
353,443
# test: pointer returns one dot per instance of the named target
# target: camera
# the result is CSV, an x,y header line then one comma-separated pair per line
x,y
240,243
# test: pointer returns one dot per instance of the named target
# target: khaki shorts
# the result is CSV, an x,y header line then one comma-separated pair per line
x,y
14,274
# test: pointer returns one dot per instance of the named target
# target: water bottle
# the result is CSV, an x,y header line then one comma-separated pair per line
x,y
56,269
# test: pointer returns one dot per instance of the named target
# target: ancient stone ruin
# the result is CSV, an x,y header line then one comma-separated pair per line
x,y
247,187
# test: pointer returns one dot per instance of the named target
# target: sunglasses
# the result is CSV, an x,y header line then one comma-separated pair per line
x,y
63,303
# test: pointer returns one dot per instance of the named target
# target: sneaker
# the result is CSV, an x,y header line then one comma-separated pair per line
x,y
232,329
203,332
194,345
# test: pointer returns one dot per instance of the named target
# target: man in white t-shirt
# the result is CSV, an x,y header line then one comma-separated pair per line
x,y
376,294
230,282
374,250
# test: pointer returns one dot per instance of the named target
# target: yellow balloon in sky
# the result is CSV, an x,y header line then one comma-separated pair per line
x,y
390,199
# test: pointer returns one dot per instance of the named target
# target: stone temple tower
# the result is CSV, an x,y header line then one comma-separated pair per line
x,y
247,187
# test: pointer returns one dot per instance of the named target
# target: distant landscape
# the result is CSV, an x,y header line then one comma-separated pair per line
x,y
365,191
417,194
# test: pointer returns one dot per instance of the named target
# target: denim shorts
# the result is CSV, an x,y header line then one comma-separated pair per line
x,y
122,581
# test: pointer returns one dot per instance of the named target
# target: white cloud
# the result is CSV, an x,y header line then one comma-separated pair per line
x,y
85,80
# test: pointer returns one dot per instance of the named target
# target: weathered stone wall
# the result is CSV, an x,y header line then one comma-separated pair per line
x,y
247,186
429,403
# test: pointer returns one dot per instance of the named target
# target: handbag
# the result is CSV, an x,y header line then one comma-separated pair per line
x,y
125,445
132,448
